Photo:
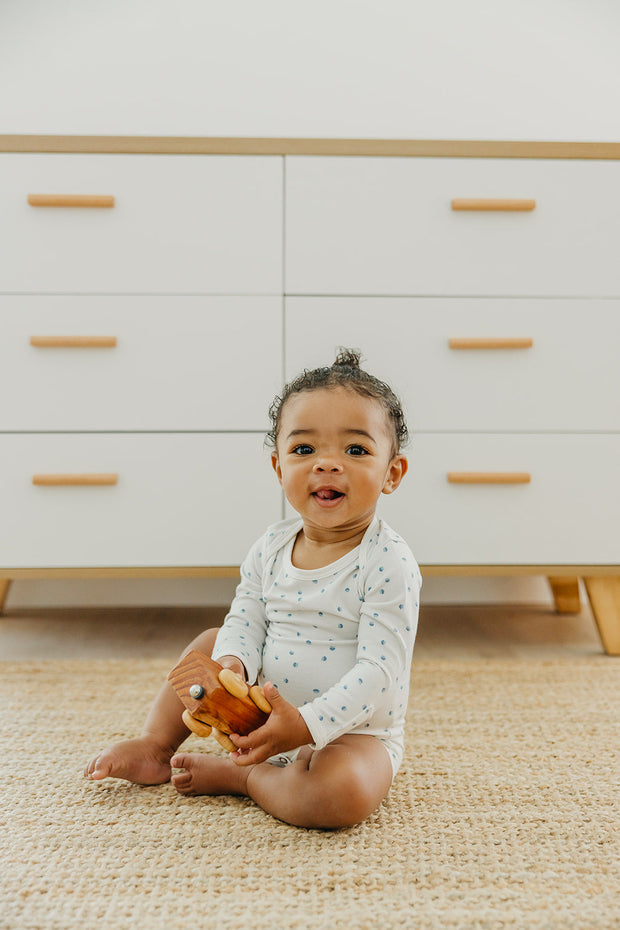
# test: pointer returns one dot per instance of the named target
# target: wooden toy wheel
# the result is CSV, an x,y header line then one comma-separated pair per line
x,y
224,741
196,726
233,683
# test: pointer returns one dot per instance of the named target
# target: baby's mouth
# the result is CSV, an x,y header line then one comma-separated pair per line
x,y
328,494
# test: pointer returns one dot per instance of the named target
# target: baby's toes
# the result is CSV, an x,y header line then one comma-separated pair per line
x,y
98,768
182,781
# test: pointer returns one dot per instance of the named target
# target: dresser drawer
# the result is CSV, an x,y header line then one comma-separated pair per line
x,y
568,513
183,363
180,223
386,226
567,379
177,500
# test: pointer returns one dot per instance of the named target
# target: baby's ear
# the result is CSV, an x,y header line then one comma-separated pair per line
x,y
396,472
276,466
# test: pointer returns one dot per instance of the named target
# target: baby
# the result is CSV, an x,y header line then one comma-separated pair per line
x,y
324,618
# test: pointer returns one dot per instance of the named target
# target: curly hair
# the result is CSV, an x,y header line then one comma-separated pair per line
x,y
345,372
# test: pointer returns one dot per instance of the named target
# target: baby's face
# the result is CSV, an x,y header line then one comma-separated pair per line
x,y
334,457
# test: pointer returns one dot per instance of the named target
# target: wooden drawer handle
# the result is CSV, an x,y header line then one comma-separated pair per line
x,y
70,200
489,477
79,480
73,342
493,204
525,343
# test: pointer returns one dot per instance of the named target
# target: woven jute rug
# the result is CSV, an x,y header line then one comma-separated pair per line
x,y
504,814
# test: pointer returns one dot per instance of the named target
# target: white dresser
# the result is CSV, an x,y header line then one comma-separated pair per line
x,y
501,328
485,289
141,342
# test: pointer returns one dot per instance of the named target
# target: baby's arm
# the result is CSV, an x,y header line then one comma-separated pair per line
x,y
242,635
378,681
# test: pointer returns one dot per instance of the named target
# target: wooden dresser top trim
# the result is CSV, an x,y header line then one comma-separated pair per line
x,y
412,148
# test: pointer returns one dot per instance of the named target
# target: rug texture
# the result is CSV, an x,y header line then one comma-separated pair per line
x,y
505,813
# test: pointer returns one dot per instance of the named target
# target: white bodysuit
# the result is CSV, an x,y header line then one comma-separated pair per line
x,y
336,641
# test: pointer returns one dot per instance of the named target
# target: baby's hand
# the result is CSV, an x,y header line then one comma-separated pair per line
x,y
285,729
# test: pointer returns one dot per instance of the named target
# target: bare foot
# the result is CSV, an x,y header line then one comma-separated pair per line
x,y
204,773
141,761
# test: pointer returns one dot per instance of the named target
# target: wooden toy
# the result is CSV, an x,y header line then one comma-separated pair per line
x,y
217,701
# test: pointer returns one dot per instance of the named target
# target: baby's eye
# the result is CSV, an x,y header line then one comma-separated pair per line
x,y
357,450
303,449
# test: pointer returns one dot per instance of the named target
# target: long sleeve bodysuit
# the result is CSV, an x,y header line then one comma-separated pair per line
x,y
336,641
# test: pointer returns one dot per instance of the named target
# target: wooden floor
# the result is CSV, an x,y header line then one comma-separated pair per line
x,y
456,633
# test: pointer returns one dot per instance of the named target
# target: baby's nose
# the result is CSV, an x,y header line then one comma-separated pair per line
x,y
328,464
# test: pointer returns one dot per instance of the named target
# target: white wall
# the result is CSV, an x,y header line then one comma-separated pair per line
x,y
473,69
442,69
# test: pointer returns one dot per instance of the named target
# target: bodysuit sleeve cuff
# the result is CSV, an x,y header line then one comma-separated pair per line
x,y
314,725
323,731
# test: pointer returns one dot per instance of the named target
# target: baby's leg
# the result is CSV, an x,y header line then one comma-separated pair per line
x,y
338,786
146,760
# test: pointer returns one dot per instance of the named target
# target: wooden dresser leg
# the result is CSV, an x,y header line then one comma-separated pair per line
x,y
604,596
5,584
566,595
